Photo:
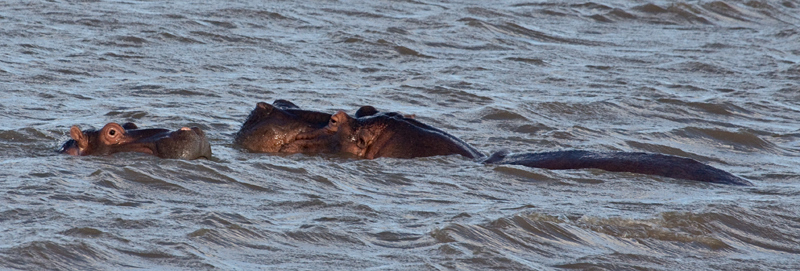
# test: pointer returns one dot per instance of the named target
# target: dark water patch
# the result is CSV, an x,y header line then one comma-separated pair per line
x,y
127,115
321,235
658,236
151,90
147,257
146,180
178,38
723,109
317,205
607,111
663,149
742,140
726,10
516,30
534,227
354,13
92,233
233,236
481,47
97,22
148,254
524,174
84,232
25,136
137,224
123,55
736,224
456,95
409,52
218,38
222,24
791,73
700,67
534,130
400,240
616,261
486,12
132,40
29,216
677,13
48,255
490,242
216,68
291,169
534,61
500,114
253,13
222,174
223,219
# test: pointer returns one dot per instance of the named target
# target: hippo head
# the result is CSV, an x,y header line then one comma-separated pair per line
x,y
274,128
185,143
373,134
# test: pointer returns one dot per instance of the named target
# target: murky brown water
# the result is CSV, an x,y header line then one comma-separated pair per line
x,y
717,81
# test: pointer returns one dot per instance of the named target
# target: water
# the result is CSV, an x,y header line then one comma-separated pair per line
x,y
717,81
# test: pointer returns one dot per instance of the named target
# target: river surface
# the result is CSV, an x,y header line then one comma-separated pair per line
x,y
716,81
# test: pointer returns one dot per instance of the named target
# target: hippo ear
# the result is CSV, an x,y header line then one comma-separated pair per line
x,y
284,104
78,136
262,106
365,111
130,126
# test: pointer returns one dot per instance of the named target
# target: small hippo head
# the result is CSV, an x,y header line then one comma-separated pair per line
x,y
185,143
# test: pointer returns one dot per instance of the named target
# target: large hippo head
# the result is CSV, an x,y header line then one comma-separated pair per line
x,y
274,128
373,134
185,143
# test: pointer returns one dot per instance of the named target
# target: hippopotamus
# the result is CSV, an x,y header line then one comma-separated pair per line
x,y
184,143
274,128
373,134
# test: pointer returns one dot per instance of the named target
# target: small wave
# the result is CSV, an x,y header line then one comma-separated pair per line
x,y
516,30
213,37
743,140
139,177
683,13
321,235
178,38
491,113
253,13
51,255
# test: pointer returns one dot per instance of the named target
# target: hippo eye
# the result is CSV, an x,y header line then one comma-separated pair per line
x,y
112,132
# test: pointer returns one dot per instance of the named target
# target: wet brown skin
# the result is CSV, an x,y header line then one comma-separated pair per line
x,y
185,143
274,128
373,134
